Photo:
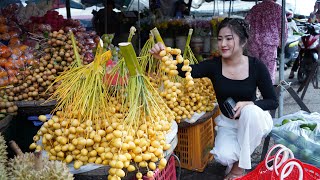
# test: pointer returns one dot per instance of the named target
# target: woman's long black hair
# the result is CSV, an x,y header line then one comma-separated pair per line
x,y
238,26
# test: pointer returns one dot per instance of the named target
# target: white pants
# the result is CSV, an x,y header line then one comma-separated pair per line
x,y
237,139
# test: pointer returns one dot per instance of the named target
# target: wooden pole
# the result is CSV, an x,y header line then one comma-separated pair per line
x,y
16,149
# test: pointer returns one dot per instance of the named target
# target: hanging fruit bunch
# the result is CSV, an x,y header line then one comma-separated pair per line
x,y
125,132
143,119
184,96
78,131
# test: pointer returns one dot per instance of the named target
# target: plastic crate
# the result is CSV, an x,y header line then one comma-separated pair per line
x,y
168,173
194,145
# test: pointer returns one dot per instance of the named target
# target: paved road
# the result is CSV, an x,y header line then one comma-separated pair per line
x,y
311,99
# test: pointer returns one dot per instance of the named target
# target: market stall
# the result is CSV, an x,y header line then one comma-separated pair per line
x,y
103,109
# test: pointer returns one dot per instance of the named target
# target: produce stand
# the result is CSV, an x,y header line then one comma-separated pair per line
x,y
165,174
202,119
5,122
295,96
19,128
34,108
299,132
102,172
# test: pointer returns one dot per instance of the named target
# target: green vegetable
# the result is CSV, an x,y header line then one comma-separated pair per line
x,y
306,128
285,121
310,126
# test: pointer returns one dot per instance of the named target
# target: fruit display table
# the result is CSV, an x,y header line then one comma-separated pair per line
x,y
102,172
202,119
5,122
34,108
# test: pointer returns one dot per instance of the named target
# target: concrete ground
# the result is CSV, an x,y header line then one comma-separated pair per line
x,y
215,171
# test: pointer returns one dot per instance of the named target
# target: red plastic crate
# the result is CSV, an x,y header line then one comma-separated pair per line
x,y
168,173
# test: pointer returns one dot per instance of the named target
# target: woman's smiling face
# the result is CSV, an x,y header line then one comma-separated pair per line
x,y
228,43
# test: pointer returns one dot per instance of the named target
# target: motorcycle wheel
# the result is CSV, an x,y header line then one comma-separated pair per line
x,y
315,79
302,75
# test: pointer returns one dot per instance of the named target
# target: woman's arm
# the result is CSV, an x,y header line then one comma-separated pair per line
x,y
264,82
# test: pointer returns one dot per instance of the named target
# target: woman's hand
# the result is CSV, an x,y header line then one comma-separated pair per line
x,y
156,49
239,106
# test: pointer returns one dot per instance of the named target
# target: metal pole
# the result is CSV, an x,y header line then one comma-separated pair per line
x,y
229,13
214,7
281,68
68,9
218,8
223,5
189,7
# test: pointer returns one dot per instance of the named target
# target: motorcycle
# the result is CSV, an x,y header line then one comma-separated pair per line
x,y
308,53
291,50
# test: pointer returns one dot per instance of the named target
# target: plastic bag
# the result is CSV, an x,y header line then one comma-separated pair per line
x,y
14,64
5,51
3,77
3,28
301,133
16,53
2,61
14,42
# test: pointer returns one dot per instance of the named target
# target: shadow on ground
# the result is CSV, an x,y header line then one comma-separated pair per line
x,y
213,171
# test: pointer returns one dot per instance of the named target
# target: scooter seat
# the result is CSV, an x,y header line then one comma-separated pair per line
x,y
314,29
293,38
316,32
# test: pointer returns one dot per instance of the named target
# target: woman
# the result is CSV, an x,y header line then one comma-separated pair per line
x,y
265,33
237,76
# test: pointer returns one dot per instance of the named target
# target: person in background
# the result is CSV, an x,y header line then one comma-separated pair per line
x,y
98,19
236,76
315,15
265,33
181,9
